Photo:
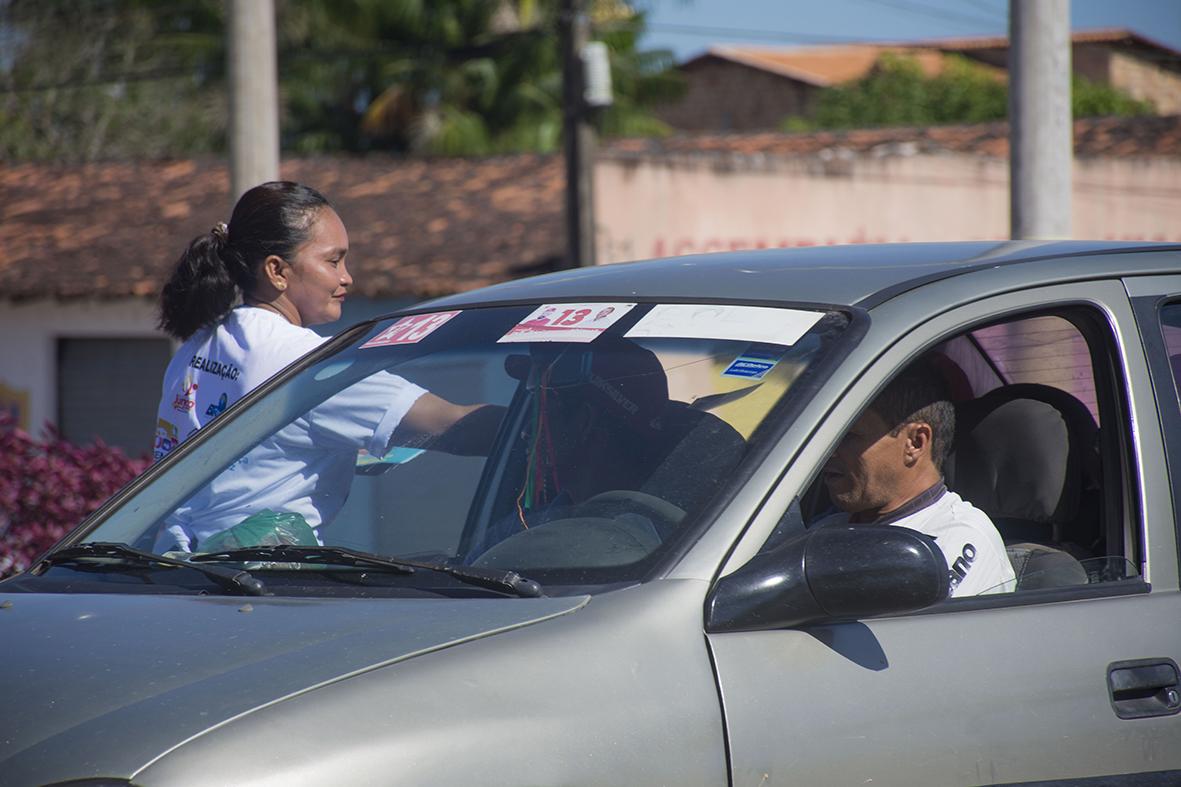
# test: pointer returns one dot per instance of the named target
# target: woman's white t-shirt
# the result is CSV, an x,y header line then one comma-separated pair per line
x,y
305,467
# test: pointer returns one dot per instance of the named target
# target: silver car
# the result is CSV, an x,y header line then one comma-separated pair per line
x,y
622,583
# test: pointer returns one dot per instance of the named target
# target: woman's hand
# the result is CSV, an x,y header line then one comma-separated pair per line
x,y
435,423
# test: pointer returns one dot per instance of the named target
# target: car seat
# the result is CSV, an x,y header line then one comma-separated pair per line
x,y
697,454
1040,566
1027,455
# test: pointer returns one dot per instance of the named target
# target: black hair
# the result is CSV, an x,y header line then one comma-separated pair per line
x,y
919,395
222,265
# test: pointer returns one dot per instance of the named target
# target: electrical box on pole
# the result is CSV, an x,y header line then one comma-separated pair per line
x,y
596,59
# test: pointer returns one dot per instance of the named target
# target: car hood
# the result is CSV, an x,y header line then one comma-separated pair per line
x,y
109,682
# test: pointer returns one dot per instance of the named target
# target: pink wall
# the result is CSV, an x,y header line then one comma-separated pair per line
x,y
663,206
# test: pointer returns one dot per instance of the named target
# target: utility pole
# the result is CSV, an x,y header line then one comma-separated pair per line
x,y
254,95
578,137
1041,140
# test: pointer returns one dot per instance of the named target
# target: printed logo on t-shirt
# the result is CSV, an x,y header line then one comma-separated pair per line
x,y
186,400
959,568
217,407
166,439
226,371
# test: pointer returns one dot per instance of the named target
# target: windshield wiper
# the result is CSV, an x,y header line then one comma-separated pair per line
x,y
491,578
494,579
237,580
290,553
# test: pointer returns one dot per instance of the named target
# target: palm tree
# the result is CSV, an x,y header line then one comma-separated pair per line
x,y
129,78
453,77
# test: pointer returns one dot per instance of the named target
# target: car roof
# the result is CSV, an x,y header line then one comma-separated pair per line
x,y
853,275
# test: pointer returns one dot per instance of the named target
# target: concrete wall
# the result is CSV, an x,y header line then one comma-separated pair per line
x,y
1145,80
28,345
663,206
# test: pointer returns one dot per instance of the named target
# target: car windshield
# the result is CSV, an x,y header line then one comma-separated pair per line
x,y
593,437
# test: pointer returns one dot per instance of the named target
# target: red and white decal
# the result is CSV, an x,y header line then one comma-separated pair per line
x,y
410,330
567,322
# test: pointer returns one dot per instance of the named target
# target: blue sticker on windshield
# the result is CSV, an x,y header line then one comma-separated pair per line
x,y
751,365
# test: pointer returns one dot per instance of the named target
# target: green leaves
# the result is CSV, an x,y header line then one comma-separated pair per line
x,y
141,78
110,80
1092,99
898,93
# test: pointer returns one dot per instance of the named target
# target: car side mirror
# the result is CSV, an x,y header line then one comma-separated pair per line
x,y
831,574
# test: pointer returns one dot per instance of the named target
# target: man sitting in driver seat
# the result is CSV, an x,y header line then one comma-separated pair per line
x,y
887,470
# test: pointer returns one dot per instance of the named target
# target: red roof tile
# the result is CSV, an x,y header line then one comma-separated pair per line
x,y
828,65
1106,35
1125,137
824,66
416,228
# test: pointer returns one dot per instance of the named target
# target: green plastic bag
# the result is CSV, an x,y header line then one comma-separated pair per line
x,y
267,528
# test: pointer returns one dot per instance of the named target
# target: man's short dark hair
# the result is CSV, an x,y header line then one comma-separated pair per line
x,y
919,395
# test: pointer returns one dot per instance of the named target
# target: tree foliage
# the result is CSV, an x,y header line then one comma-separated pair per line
x,y
454,77
109,79
86,79
897,93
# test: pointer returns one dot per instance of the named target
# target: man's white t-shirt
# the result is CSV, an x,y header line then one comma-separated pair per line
x,y
976,559
307,466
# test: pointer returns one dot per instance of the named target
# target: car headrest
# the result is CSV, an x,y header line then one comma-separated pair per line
x,y
1020,453
699,450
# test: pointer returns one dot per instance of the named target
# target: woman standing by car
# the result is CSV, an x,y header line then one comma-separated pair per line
x,y
241,298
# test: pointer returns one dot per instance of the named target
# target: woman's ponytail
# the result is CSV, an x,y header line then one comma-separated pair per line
x,y
222,266
201,289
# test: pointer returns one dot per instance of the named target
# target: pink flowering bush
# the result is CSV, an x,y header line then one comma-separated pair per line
x,y
49,485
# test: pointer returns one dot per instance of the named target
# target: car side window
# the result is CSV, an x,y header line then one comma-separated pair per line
x,y
1170,316
1038,439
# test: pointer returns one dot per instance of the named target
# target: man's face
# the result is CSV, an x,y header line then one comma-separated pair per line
x,y
866,473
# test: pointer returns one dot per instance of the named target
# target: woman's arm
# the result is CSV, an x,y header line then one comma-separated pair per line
x,y
435,423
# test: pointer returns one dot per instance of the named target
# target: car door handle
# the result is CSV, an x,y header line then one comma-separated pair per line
x,y
1145,687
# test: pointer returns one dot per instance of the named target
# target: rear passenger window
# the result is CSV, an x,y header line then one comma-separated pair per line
x,y
1039,445
1030,450
1046,350
1171,326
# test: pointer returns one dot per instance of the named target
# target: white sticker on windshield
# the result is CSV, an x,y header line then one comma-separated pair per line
x,y
567,322
762,324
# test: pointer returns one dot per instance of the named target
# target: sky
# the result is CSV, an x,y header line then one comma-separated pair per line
x,y
689,27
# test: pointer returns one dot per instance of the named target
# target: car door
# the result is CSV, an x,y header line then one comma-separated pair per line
x,y
1051,685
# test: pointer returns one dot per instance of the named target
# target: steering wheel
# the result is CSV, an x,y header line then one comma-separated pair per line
x,y
597,534
664,515
576,542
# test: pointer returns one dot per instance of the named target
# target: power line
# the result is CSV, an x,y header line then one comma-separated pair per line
x,y
769,35
932,11
782,36
1001,14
